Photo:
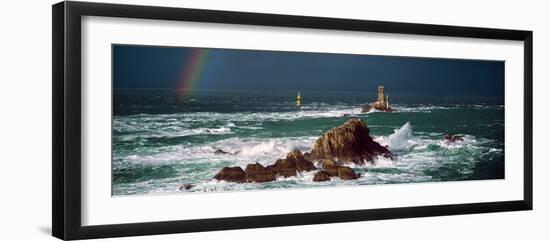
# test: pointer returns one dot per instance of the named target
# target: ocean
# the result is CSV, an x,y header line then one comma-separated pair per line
x,y
164,138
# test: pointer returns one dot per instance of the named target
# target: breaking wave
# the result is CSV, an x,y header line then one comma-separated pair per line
x,y
400,138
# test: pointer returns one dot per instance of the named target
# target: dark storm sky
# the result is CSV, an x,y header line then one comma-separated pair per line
x,y
162,67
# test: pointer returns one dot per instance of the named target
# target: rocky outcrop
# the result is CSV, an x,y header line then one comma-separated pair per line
x,y
321,176
231,174
376,106
381,104
345,144
258,173
348,143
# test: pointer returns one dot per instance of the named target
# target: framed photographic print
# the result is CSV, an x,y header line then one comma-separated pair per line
x,y
170,120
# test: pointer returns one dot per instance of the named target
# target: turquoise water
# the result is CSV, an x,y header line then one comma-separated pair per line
x,y
165,138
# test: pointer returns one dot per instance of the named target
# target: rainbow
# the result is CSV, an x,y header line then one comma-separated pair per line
x,y
192,70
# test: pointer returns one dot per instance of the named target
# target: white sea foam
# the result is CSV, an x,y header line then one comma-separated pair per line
x,y
263,148
179,132
430,108
421,109
130,128
264,151
403,139
383,162
133,122
241,151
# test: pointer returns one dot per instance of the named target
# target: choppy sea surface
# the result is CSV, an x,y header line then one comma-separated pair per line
x,y
165,138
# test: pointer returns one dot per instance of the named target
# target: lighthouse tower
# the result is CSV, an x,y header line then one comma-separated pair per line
x,y
381,96
381,104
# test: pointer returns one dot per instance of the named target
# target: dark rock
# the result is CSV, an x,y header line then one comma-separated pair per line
x,y
294,162
186,186
321,176
347,143
231,174
284,167
381,106
299,159
452,138
220,151
307,156
346,173
334,169
258,173
330,166
328,163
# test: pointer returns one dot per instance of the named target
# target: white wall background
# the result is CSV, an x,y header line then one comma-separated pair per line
x,y
25,119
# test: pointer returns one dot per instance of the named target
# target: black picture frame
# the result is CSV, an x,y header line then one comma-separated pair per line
x,y
66,128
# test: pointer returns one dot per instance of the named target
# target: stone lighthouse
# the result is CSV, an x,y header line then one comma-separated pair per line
x,y
381,104
381,96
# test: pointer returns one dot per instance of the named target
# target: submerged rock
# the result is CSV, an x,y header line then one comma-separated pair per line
x,y
452,138
186,186
220,151
321,176
258,173
231,174
347,143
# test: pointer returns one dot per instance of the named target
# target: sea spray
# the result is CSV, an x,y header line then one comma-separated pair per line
x,y
400,138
